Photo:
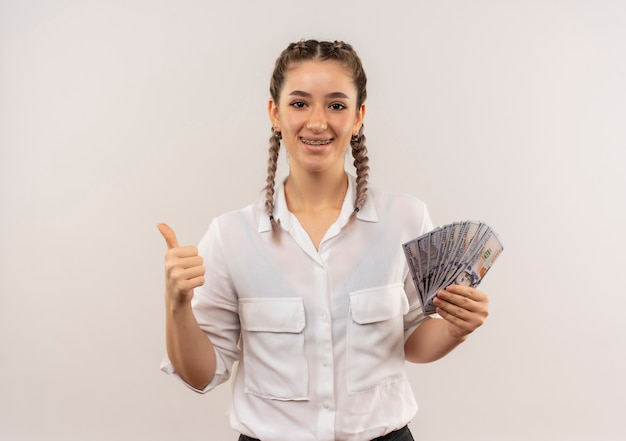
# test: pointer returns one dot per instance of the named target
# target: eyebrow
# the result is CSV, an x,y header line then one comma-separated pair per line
x,y
308,95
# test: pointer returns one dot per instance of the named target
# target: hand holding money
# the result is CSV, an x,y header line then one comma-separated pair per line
x,y
448,263
463,307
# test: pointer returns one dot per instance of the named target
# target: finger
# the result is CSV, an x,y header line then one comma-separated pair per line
x,y
460,310
451,309
190,284
455,299
178,275
169,235
193,273
183,280
194,261
463,321
467,291
182,252
460,305
176,267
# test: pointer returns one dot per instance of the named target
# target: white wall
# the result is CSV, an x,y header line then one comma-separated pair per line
x,y
117,115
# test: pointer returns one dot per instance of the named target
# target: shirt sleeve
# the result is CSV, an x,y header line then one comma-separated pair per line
x,y
219,378
215,307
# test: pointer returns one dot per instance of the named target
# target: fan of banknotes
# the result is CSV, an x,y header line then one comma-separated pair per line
x,y
459,253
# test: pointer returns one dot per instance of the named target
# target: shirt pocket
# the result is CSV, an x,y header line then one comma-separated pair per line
x,y
375,337
273,348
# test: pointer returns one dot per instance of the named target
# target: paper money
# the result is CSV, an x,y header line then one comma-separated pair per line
x,y
459,253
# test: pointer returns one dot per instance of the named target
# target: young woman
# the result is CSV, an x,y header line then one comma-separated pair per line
x,y
309,290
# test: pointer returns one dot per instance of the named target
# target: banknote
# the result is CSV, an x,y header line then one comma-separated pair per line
x,y
458,253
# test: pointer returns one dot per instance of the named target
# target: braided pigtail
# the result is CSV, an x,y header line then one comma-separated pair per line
x,y
361,163
272,165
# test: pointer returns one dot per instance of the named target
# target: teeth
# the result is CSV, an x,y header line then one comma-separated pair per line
x,y
310,142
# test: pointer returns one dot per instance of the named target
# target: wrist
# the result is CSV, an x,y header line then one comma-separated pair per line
x,y
455,335
175,305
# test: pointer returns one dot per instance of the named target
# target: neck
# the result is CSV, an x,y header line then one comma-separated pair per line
x,y
316,192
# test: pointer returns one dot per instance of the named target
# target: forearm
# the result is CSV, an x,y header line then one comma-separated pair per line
x,y
430,341
190,351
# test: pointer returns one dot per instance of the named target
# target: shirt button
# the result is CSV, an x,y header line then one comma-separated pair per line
x,y
326,406
324,318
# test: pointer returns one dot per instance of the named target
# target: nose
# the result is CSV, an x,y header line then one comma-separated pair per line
x,y
317,121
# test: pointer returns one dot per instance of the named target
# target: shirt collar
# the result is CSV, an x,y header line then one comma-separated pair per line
x,y
367,213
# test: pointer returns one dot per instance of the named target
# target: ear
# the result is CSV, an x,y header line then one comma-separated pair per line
x,y
272,111
360,115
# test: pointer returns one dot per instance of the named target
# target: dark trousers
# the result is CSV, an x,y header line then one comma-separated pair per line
x,y
403,434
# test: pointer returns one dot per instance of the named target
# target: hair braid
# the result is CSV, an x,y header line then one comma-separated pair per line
x,y
361,163
272,165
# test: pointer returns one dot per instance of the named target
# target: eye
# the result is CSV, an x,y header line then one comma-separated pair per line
x,y
298,104
337,106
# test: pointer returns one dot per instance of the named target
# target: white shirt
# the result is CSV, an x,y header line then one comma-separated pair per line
x,y
321,355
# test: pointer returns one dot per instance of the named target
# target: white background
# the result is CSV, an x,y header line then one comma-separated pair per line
x,y
117,115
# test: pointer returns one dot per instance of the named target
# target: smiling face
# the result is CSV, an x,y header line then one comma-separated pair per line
x,y
317,114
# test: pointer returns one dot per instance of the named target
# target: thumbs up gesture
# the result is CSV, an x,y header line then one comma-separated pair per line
x,y
184,268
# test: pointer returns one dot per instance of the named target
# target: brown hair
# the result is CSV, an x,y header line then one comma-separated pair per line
x,y
323,51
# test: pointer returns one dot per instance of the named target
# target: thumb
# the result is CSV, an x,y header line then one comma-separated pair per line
x,y
169,235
